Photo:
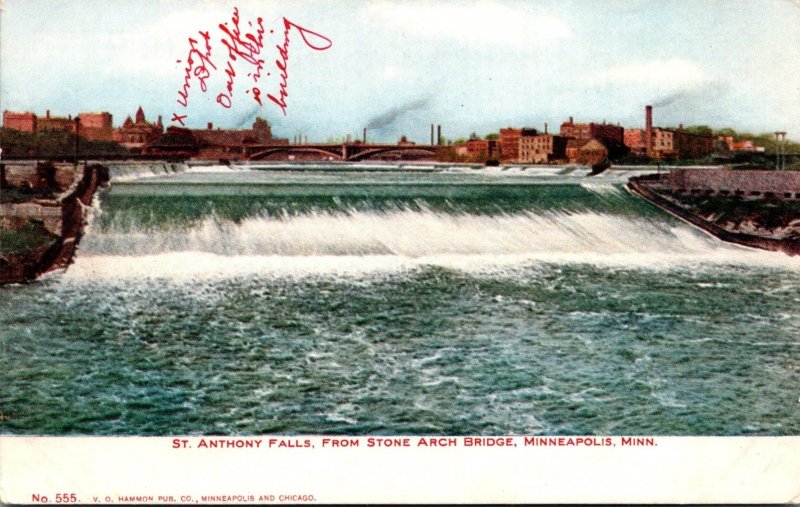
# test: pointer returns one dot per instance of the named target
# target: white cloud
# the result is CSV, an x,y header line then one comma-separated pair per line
x,y
477,24
659,74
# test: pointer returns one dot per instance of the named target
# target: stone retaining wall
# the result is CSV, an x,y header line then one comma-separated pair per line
x,y
778,184
20,175
13,216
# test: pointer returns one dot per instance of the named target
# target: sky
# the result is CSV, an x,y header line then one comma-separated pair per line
x,y
398,66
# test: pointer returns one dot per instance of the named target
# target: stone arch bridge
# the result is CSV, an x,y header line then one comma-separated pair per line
x,y
343,152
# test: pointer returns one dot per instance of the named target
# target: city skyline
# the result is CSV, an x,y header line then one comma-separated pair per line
x,y
395,68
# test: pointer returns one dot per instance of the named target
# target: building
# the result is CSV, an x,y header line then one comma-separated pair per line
x,y
593,152
669,143
542,148
474,150
634,139
211,143
508,142
664,143
24,122
746,145
135,134
600,131
477,149
93,126
227,143
96,126
65,124
688,145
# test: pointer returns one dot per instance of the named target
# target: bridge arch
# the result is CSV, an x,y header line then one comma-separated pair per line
x,y
400,150
296,150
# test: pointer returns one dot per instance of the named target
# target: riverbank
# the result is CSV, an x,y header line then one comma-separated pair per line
x,y
755,210
43,210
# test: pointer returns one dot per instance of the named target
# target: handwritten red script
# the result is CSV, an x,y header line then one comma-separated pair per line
x,y
245,45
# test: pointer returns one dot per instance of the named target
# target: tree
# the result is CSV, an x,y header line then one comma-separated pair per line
x,y
704,130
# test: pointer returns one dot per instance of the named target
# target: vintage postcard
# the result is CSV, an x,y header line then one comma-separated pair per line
x,y
399,251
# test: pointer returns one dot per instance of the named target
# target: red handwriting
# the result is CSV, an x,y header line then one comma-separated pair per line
x,y
200,71
245,43
283,63
247,48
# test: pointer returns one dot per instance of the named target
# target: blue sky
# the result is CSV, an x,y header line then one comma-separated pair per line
x,y
468,65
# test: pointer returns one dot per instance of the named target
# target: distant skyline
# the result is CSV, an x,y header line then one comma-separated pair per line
x,y
396,67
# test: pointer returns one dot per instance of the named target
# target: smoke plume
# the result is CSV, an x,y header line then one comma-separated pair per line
x,y
669,99
247,118
390,116
693,93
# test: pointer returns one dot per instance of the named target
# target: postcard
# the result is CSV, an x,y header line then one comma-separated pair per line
x,y
399,252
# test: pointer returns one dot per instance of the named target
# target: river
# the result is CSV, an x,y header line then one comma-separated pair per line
x,y
423,300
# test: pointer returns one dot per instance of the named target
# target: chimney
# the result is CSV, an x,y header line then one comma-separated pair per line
x,y
210,126
545,127
47,115
439,134
648,130
364,140
570,120
432,143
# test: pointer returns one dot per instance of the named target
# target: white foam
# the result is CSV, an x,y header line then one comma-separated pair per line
x,y
356,243
602,188
412,233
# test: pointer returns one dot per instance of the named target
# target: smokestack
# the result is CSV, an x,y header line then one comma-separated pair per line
x,y
570,120
364,140
648,130
210,126
432,143
545,127
439,134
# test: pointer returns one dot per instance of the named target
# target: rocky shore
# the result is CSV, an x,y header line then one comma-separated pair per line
x,y
767,218
43,210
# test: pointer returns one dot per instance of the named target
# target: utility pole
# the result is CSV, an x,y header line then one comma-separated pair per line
x,y
780,148
77,136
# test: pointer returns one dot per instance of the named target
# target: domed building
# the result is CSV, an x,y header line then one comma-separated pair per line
x,y
135,134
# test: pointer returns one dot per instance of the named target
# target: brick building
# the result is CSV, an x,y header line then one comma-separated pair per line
x,y
542,148
600,131
211,143
63,123
508,142
635,140
474,150
24,122
746,145
96,126
662,143
669,143
593,152
93,126
135,134
687,145
261,133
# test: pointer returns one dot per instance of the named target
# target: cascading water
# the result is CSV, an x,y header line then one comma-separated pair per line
x,y
435,301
